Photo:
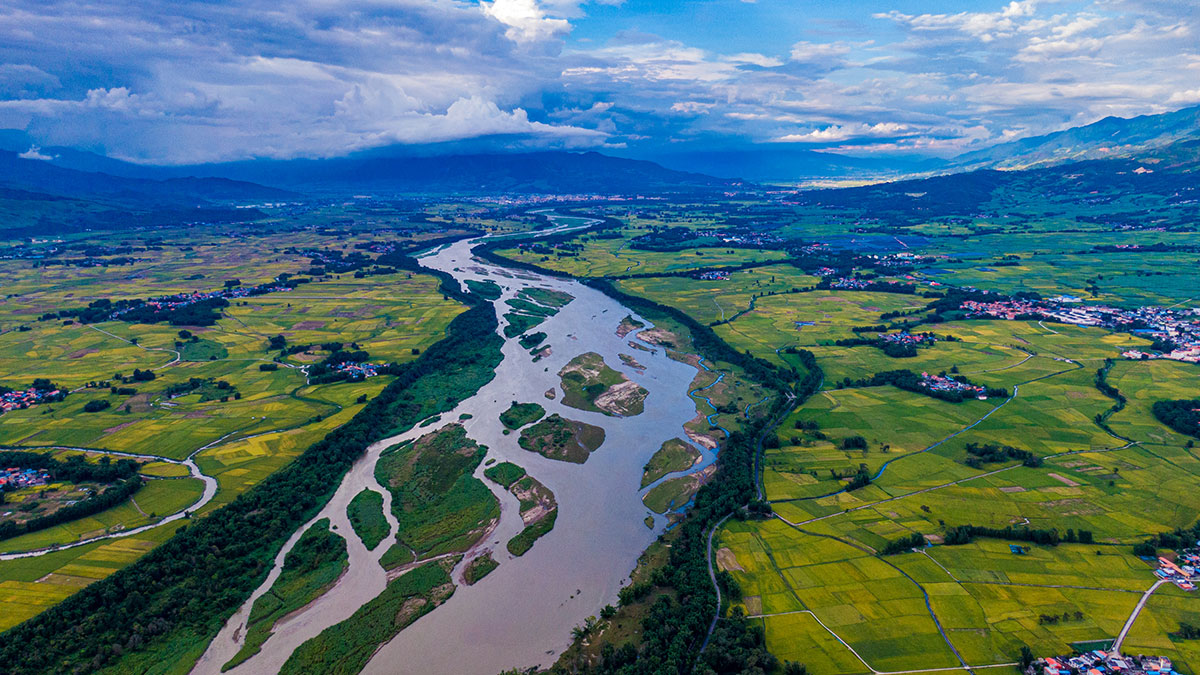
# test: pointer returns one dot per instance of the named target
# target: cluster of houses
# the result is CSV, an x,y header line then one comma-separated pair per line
x,y
1179,328
850,283
1101,662
19,400
715,275
15,478
1184,573
748,238
906,338
168,302
944,383
526,200
357,371
901,259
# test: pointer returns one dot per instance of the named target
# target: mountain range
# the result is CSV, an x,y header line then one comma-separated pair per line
x,y
81,184
1109,138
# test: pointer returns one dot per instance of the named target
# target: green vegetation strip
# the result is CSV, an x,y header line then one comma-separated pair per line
x,y
674,455
347,647
520,414
521,543
441,506
479,568
366,516
559,438
310,568
505,473
172,587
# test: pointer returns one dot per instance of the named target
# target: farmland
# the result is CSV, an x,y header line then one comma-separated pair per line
x,y
238,436
1022,499
857,467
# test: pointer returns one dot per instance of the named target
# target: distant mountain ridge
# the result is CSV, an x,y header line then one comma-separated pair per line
x,y
1109,138
36,176
381,171
531,172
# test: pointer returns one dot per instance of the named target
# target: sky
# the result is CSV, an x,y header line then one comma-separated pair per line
x,y
194,81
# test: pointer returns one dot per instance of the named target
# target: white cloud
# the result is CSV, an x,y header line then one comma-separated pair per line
x,y
34,152
526,20
835,133
1188,97
692,107
753,59
807,52
184,82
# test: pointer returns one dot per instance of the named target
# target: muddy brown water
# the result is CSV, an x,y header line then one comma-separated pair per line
x,y
522,613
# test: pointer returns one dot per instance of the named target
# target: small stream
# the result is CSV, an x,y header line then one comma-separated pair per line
x,y
522,613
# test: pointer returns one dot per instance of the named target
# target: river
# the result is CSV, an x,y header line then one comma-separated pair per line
x,y
522,613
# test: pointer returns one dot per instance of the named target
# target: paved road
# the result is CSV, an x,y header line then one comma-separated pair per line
x,y
1133,617
210,491
712,575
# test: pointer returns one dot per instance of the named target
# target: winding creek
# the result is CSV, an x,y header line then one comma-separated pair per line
x,y
522,613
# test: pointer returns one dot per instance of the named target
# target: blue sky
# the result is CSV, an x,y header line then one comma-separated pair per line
x,y
186,81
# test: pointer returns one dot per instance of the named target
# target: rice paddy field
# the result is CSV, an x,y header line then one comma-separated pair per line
x,y
614,257
1126,279
813,577
988,600
268,417
719,300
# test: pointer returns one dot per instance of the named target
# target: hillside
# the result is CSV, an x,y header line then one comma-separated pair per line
x,y
535,172
1109,138
38,198
1157,190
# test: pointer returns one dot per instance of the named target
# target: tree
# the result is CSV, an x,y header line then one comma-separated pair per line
x,y
1026,659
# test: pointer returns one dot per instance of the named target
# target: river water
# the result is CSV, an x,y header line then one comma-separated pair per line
x,y
522,613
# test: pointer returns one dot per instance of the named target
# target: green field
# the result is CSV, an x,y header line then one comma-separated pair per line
x,y
240,441
611,257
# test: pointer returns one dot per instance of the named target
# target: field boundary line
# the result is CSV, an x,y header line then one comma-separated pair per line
x,y
1133,617
864,661
925,552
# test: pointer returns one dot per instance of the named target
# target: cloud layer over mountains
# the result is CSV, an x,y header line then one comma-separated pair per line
x,y
189,81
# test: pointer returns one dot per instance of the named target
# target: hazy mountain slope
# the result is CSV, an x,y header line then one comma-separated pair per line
x,y
39,176
792,164
1152,190
1109,138
537,172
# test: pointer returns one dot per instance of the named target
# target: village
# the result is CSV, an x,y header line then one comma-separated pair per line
x,y
1184,571
356,371
906,338
1100,662
15,478
1179,329
169,302
946,383
23,398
